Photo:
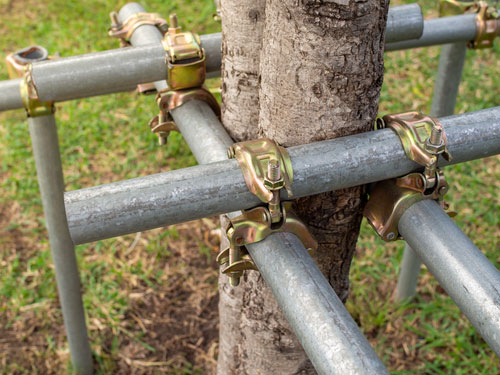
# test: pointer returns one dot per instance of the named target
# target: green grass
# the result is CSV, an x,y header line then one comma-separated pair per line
x,y
107,139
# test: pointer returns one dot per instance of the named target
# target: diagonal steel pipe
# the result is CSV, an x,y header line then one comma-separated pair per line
x,y
206,190
468,277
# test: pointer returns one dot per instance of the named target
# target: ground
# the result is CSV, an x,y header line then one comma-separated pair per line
x,y
151,298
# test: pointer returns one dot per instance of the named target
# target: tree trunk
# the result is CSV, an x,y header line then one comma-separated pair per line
x,y
321,71
242,26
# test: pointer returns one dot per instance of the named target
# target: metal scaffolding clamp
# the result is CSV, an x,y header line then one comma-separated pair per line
x,y
34,107
124,30
423,140
185,58
167,100
267,169
487,20
186,72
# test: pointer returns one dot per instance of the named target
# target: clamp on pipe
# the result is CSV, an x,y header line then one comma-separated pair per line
x,y
19,65
267,169
186,72
487,20
124,30
424,141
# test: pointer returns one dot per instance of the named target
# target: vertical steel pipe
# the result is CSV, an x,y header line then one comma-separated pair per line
x,y
468,277
328,334
43,132
451,63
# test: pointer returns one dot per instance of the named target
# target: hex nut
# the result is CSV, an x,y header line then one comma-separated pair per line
x,y
274,185
435,149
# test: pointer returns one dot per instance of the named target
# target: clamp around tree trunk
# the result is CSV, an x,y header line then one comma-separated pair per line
x,y
267,169
423,140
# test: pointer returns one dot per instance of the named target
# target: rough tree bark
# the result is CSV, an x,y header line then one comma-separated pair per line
x,y
242,27
321,71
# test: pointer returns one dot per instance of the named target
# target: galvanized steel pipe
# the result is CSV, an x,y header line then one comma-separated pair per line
x,y
122,69
438,31
43,133
462,270
328,334
206,190
451,63
404,22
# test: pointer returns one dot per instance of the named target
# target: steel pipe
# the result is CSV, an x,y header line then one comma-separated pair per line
x,y
451,63
122,69
10,94
468,277
328,334
404,22
43,132
439,31
206,190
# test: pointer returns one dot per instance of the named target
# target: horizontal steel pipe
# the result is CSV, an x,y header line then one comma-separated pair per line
x,y
328,334
122,69
10,94
439,31
404,22
206,190
462,270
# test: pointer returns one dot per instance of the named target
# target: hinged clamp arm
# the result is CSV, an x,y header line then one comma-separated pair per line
x,y
124,30
424,140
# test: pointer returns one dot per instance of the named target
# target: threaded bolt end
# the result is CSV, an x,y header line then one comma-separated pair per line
x,y
273,170
436,136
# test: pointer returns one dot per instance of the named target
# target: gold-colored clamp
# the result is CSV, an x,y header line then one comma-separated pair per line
x,y
186,76
34,107
267,169
252,226
185,57
487,20
124,30
167,100
423,140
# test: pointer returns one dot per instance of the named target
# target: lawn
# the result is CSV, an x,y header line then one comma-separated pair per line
x,y
151,298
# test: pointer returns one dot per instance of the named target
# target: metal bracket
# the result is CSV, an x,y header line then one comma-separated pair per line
x,y
34,107
423,139
488,27
252,226
266,168
124,30
185,58
390,199
167,100
487,20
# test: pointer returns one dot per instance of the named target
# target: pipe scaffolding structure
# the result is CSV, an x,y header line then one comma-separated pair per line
x,y
331,339
121,70
206,190
468,277
449,74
